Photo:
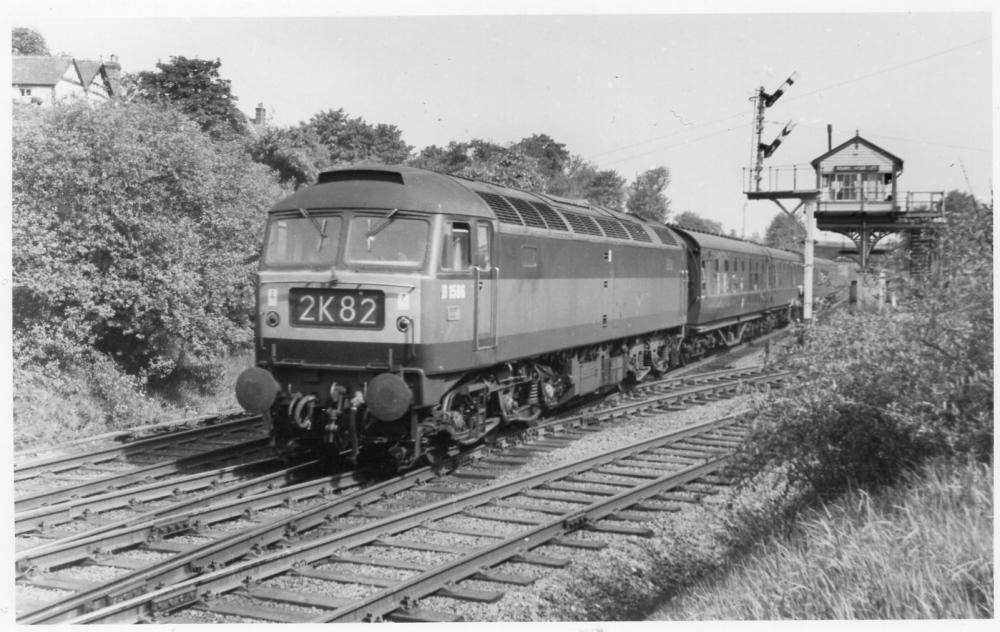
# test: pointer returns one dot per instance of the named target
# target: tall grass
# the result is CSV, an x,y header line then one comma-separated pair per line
x,y
920,549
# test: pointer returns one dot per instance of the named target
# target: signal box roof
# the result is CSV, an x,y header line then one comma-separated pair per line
x,y
897,162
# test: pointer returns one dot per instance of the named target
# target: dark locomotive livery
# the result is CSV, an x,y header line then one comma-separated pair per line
x,y
401,310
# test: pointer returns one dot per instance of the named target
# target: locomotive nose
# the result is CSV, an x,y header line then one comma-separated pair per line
x,y
388,397
256,390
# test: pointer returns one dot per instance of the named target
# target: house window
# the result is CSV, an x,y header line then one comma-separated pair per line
x,y
25,92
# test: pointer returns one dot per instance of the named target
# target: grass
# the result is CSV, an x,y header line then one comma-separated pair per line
x,y
922,549
52,406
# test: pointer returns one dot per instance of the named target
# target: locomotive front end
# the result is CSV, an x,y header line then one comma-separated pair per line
x,y
337,323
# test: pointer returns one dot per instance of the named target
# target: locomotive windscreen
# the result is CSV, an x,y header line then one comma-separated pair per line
x,y
395,241
297,241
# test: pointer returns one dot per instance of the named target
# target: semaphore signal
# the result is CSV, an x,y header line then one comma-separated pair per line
x,y
762,101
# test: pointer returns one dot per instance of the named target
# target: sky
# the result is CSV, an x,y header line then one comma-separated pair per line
x,y
628,86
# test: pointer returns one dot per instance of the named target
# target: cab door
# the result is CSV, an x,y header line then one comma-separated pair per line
x,y
486,282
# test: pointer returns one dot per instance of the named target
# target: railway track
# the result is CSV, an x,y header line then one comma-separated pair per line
x,y
109,462
185,560
602,494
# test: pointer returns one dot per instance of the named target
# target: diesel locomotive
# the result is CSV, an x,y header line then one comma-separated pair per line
x,y
401,311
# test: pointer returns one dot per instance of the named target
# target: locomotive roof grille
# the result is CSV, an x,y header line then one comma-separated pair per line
x,y
528,213
552,218
506,213
376,175
582,224
637,232
665,235
612,228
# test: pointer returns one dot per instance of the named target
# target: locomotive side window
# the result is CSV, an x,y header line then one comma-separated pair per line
x,y
387,241
484,239
456,247
298,241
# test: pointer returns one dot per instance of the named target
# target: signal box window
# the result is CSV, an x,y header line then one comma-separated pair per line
x,y
456,247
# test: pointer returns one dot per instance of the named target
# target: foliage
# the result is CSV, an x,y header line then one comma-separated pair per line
x,y
690,219
582,179
922,549
485,161
131,231
194,86
25,41
878,393
350,140
645,195
551,156
295,154
785,231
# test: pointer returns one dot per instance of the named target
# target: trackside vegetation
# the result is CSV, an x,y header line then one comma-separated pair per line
x,y
866,487
134,235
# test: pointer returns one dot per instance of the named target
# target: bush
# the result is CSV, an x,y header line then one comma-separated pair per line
x,y
877,394
132,236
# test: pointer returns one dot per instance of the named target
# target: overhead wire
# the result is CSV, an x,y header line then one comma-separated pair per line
x,y
793,97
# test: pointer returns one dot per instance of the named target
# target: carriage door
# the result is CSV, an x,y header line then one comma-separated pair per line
x,y
486,281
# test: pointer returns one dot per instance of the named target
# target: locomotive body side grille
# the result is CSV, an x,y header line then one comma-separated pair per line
x,y
612,228
499,205
582,224
552,218
665,236
528,213
637,231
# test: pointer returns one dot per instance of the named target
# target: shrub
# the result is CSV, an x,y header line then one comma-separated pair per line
x,y
877,393
132,234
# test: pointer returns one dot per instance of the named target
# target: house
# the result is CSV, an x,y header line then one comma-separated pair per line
x,y
43,80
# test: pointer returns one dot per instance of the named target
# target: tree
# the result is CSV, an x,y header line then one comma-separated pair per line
x,y
295,154
504,167
131,233
785,231
690,219
195,86
450,159
27,41
645,195
551,156
349,140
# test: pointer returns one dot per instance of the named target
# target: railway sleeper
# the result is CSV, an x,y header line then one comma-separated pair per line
x,y
602,527
503,578
422,615
470,594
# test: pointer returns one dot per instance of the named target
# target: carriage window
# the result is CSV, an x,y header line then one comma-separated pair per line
x,y
456,246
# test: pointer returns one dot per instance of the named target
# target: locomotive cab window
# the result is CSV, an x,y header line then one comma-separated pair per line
x,y
306,240
484,245
387,240
456,246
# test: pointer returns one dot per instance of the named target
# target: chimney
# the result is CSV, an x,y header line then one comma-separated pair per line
x,y
260,116
829,136
113,76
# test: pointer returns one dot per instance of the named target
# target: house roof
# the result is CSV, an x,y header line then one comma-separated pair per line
x,y
896,161
39,71
88,69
